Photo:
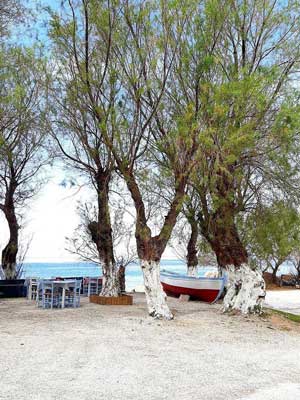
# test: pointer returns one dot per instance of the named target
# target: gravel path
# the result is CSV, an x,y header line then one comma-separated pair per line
x,y
117,353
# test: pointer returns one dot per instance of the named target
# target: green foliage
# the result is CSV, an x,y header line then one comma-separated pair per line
x,y
22,79
244,103
178,88
273,232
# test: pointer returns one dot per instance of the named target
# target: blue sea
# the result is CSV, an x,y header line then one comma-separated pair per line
x,y
71,269
134,276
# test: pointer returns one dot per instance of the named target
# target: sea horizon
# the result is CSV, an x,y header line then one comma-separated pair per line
x,y
133,275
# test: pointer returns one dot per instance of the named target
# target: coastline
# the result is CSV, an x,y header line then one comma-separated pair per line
x,y
133,274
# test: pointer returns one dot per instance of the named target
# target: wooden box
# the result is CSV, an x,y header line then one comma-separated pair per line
x,y
124,300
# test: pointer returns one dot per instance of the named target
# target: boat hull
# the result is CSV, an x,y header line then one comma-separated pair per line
x,y
204,289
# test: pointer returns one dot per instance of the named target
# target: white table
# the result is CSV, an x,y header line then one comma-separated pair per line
x,y
66,284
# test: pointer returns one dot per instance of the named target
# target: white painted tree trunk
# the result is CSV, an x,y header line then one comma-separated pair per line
x,y
10,271
2,274
245,290
192,270
110,281
155,296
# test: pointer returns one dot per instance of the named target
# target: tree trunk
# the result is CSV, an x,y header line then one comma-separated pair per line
x,y
192,259
150,248
245,290
121,278
245,286
155,296
9,253
298,272
274,273
101,233
110,281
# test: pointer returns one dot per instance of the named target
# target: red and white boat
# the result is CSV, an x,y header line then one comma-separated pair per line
x,y
201,288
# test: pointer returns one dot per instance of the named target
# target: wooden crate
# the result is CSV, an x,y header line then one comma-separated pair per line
x,y
124,300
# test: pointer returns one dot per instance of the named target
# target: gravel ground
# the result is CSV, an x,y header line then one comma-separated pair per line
x,y
113,352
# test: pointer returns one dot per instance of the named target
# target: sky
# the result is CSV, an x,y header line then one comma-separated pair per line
x,y
51,217
48,219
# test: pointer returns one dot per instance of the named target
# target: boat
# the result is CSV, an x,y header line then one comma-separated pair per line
x,y
200,288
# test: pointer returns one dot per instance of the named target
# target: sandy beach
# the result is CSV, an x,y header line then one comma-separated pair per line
x,y
114,352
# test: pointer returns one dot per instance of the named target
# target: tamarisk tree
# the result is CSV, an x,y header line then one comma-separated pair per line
x,y
84,80
153,139
235,71
85,247
124,90
22,137
273,234
236,88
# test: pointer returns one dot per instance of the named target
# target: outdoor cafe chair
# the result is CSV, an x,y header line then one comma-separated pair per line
x,y
72,294
47,294
91,285
32,288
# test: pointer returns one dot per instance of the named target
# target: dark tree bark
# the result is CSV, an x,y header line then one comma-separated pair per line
x,y
9,253
274,272
101,234
245,286
224,238
274,278
192,251
151,247
121,278
218,226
